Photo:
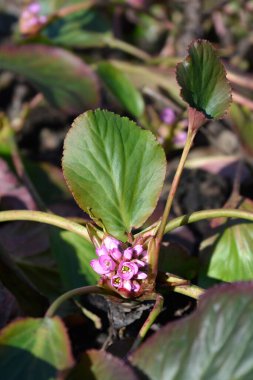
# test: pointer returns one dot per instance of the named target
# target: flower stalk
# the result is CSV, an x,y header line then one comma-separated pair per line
x,y
74,293
196,119
149,321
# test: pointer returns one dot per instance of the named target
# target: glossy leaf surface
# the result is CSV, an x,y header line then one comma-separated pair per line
x,y
114,169
64,79
203,82
34,348
122,88
215,342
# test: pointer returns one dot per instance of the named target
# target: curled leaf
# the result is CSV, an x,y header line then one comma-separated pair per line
x,y
202,78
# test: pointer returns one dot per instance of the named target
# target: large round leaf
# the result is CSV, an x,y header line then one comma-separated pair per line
x,y
114,169
214,343
122,88
62,77
203,82
34,349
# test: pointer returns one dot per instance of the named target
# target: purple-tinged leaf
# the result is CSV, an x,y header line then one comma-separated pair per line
x,y
215,163
63,78
214,342
8,306
13,195
99,365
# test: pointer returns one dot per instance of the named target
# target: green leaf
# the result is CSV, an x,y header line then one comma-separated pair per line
x,y
215,342
140,75
114,169
100,365
202,78
122,88
228,255
63,78
73,255
34,348
83,29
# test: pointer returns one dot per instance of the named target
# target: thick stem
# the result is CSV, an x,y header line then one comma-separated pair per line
x,y
43,217
207,214
174,185
73,293
189,290
195,120
149,321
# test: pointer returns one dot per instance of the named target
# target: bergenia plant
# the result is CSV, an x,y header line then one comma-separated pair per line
x,y
115,171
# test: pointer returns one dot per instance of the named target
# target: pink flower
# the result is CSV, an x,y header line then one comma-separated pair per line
x,y
123,268
141,276
116,281
34,8
116,254
127,270
107,263
97,267
31,20
138,249
103,265
128,253
111,243
101,251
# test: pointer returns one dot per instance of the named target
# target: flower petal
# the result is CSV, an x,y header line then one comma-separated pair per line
x,y
101,250
107,263
141,276
127,270
128,253
116,254
138,249
135,286
127,285
111,243
97,267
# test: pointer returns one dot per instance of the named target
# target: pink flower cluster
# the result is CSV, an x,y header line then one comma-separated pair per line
x,y
31,20
123,268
